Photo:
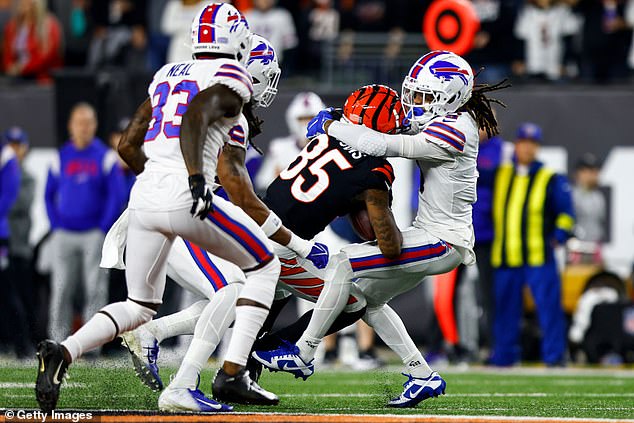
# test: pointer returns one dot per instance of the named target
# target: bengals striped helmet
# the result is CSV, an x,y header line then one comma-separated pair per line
x,y
376,106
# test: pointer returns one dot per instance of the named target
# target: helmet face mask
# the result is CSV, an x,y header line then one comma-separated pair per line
x,y
265,71
439,83
219,28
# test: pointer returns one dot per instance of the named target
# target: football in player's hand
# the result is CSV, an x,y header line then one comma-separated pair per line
x,y
360,221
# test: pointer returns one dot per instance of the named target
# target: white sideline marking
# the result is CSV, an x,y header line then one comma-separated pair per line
x,y
28,385
560,382
31,385
513,394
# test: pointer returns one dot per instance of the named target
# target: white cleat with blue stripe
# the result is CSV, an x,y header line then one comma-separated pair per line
x,y
417,389
144,351
184,399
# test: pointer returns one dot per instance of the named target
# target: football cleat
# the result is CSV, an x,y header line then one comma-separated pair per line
x,y
286,359
418,389
241,389
144,352
184,399
51,371
254,368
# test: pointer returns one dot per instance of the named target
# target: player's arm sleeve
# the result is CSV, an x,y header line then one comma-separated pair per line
x,y
50,196
10,177
561,199
375,143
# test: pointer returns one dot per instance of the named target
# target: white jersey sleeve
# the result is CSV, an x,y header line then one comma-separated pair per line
x,y
239,133
450,132
375,143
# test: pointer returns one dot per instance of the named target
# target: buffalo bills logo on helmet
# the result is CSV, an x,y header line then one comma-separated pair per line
x,y
236,21
262,52
447,70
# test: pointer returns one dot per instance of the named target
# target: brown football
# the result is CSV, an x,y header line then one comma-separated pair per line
x,y
360,221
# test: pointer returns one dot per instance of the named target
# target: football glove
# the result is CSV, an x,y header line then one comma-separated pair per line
x,y
318,255
407,120
201,193
316,125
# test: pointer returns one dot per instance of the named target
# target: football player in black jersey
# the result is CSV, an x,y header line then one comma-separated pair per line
x,y
328,179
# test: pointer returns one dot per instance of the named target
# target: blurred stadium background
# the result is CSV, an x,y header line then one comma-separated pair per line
x,y
104,52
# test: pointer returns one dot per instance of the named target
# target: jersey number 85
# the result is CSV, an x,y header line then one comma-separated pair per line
x,y
312,151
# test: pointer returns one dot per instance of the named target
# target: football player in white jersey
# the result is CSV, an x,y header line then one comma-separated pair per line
x,y
282,151
210,277
445,113
173,143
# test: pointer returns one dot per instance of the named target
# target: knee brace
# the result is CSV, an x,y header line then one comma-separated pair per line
x,y
127,315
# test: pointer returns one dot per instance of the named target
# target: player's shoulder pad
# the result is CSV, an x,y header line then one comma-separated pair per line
x,y
238,134
452,131
233,75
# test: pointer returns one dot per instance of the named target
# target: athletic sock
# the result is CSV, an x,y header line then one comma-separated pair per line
x,y
417,366
193,362
331,301
390,328
214,320
180,323
249,320
96,332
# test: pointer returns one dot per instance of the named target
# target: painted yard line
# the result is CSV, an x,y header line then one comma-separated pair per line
x,y
562,382
542,371
31,385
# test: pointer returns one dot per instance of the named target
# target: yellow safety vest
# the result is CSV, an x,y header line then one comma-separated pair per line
x,y
518,217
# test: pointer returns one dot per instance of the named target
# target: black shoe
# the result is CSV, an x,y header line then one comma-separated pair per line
x,y
254,367
51,371
241,389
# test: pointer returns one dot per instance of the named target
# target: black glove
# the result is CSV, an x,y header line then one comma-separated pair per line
x,y
201,193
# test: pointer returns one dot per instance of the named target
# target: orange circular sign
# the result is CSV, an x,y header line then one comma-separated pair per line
x,y
451,25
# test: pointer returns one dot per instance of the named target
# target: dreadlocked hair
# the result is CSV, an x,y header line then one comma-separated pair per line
x,y
255,125
479,106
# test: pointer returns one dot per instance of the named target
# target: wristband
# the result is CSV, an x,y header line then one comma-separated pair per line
x,y
271,225
299,245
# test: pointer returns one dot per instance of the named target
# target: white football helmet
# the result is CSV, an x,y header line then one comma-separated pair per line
x,y
264,69
221,28
304,105
439,83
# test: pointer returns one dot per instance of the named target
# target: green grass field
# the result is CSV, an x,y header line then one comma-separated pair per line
x,y
527,391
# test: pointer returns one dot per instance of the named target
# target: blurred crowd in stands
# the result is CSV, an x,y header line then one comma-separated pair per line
x,y
542,40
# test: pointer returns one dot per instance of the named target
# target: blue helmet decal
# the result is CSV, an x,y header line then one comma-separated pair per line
x,y
263,53
448,70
